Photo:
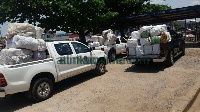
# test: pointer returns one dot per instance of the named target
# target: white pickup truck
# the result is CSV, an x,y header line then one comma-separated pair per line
x,y
65,59
112,50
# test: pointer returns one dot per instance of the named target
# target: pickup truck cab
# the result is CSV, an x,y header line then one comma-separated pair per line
x,y
65,59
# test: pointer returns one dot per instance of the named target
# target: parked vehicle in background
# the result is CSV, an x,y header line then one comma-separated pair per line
x,y
163,46
64,59
109,43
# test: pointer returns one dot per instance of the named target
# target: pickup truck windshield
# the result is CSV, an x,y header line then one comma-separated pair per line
x,y
63,49
80,48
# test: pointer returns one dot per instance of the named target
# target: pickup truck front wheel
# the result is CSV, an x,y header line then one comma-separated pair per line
x,y
42,89
100,68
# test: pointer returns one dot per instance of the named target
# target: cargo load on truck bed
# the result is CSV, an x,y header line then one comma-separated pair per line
x,y
147,40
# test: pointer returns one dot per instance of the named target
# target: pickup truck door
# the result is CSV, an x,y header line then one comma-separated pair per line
x,y
175,41
119,46
65,60
124,43
84,55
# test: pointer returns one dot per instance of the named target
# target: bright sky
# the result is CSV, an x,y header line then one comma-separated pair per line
x,y
177,3
172,3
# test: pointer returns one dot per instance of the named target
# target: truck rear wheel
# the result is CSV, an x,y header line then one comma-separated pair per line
x,y
42,89
170,59
183,50
111,55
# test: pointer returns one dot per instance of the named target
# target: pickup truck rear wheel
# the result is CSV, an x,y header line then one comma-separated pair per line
x,y
111,55
100,68
183,50
170,59
42,89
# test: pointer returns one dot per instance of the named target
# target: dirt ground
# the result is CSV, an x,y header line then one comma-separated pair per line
x,y
123,88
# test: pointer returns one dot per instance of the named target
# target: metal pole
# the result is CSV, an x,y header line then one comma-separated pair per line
x,y
196,29
185,29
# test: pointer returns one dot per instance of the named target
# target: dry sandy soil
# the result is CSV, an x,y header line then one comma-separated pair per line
x,y
123,88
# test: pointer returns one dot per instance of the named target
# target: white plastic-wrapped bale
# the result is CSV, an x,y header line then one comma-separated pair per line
x,y
105,32
19,28
15,56
145,28
10,43
132,43
111,39
155,31
39,32
132,51
139,50
148,49
144,41
42,45
163,28
30,43
135,35
27,43
156,49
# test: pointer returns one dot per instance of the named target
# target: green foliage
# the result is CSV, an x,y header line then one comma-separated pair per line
x,y
74,15
176,25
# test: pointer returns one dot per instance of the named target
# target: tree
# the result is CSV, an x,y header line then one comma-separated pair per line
x,y
176,25
74,15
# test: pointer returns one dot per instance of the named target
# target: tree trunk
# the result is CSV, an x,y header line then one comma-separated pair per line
x,y
122,31
82,35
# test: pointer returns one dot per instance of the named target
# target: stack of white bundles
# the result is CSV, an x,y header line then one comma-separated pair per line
x,y
139,50
132,51
155,31
144,41
135,35
99,39
132,43
148,49
156,49
15,56
111,38
30,43
107,31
